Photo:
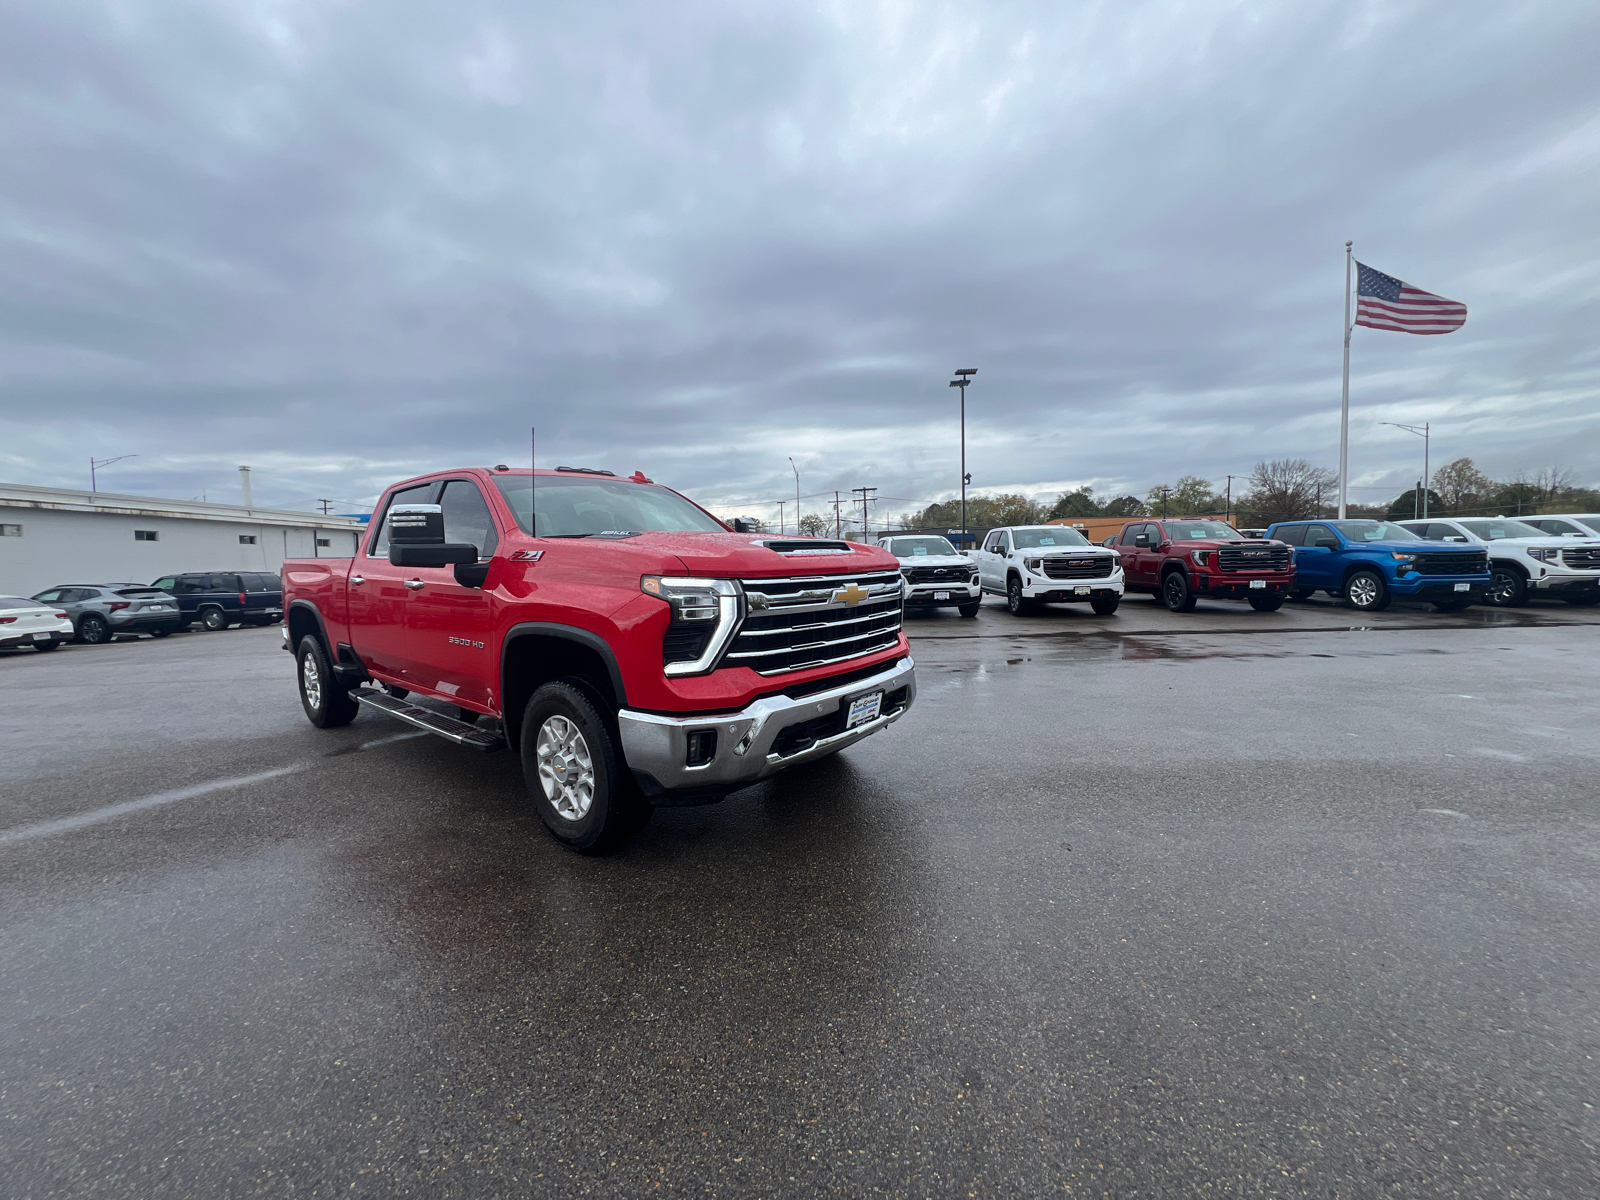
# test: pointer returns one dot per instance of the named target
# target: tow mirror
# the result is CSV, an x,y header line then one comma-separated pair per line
x,y
1142,539
740,525
416,538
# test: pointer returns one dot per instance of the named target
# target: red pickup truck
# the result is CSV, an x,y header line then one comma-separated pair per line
x,y
634,649
1180,561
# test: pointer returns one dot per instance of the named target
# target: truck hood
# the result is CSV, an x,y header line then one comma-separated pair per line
x,y
937,560
1558,542
1418,547
746,555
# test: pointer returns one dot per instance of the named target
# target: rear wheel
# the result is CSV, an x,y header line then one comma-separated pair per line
x,y
213,619
575,772
1266,603
1104,606
1019,604
1175,593
160,631
1508,588
328,704
970,610
1302,593
94,630
47,645
1367,591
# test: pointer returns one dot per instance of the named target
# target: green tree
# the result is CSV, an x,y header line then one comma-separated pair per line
x,y
815,525
1075,504
1404,506
1461,486
1124,506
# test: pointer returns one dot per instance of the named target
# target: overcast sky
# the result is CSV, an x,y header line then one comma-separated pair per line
x,y
348,242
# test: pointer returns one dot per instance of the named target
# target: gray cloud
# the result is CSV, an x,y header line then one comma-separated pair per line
x,y
348,242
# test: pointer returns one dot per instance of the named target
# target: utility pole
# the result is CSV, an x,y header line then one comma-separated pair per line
x,y
781,530
96,463
1228,513
962,380
1165,492
838,518
1422,484
326,504
865,520
796,496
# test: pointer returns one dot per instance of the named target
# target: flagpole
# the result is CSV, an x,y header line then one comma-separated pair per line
x,y
1344,401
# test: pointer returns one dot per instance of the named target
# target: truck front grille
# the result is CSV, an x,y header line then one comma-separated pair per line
x,y
938,574
814,620
1455,562
1253,558
1096,566
1582,558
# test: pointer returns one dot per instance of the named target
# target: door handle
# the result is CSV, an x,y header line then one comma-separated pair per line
x,y
413,584
356,581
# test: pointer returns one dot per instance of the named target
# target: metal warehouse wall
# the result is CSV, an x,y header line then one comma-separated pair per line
x,y
93,547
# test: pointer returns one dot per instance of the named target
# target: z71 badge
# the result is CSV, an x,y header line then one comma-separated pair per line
x,y
468,642
527,556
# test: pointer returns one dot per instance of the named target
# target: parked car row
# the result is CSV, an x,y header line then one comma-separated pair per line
x,y
1369,564
97,612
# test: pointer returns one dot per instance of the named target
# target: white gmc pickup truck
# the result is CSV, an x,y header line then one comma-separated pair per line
x,y
1043,564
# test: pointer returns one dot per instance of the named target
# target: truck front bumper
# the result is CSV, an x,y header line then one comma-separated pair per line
x,y
771,735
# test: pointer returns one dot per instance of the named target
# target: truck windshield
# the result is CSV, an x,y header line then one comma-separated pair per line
x,y
1374,531
586,507
1196,531
1034,539
917,547
1493,531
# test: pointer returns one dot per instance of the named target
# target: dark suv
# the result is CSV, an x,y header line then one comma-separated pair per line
x,y
221,598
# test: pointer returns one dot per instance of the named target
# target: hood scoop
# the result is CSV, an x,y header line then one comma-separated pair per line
x,y
806,547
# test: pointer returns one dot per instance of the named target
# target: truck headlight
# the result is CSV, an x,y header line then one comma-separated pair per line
x,y
1032,563
705,613
1201,557
1545,553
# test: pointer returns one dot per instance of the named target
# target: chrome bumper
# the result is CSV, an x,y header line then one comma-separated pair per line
x,y
658,746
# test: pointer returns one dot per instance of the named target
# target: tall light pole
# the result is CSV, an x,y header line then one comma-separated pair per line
x,y
1228,504
1423,434
96,463
797,529
781,526
963,378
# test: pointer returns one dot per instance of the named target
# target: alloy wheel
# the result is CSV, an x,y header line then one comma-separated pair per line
x,y
311,680
1363,591
94,630
566,768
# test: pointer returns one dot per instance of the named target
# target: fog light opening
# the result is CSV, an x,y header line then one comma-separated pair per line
x,y
702,747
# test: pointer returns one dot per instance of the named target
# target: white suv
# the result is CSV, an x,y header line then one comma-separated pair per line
x,y
1039,564
1524,560
937,575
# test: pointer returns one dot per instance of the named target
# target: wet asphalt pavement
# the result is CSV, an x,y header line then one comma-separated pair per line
x,y
1229,904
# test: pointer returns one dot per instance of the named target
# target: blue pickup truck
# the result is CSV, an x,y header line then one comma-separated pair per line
x,y
1371,563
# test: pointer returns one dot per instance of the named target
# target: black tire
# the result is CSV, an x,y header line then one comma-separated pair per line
x,y
1302,593
328,703
93,629
161,631
1366,591
1266,603
1018,604
1584,601
1175,593
213,619
1104,606
604,808
970,610
1452,605
47,645
1508,587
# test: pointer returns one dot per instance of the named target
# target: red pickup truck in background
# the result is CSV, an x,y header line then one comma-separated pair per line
x,y
631,647
1181,561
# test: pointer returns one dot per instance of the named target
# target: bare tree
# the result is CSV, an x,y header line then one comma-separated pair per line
x,y
1286,489
1461,486
815,525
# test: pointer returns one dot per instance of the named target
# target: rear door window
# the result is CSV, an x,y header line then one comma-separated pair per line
x,y
1315,533
1294,535
226,583
191,585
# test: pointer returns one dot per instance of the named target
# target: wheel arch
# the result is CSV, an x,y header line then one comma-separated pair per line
x,y
536,652
1511,563
303,617
1364,564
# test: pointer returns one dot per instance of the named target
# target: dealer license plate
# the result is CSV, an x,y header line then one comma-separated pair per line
x,y
1463,587
864,709
941,595
41,637
1083,591
1258,583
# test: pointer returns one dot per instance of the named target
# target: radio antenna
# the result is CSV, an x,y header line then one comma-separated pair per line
x,y
533,480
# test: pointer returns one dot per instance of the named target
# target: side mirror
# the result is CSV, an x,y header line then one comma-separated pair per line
x,y
1328,543
740,525
445,554
1142,540
416,538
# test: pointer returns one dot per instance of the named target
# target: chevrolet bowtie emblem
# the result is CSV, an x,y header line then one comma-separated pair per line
x,y
850,595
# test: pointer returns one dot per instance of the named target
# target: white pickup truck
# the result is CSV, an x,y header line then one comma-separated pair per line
x,y
1042,564
937,575
1523,559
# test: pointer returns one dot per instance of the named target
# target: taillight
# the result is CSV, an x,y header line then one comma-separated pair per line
x,y
118,606
62,617
241,598
6,620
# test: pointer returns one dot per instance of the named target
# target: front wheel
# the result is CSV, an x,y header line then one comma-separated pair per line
x,y
1367,591
1507,588
1266,603
970,610
576,775
1104,606
94,630
47,645
328,705
1175,593
1019,604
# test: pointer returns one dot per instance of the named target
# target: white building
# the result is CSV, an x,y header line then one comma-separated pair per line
x,y
50,536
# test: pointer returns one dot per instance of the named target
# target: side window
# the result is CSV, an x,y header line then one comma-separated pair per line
x,y
1131,532
1003,546
189,585
226,583
51,597
467,517
991,544
1436,532
76,595
421,494
1294,535
166,583
1315,533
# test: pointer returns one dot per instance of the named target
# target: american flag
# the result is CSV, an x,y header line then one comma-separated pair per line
x,y
1389,303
